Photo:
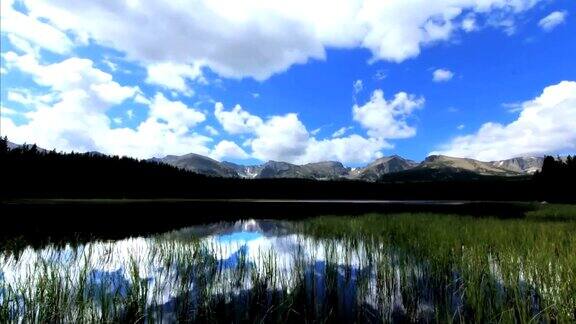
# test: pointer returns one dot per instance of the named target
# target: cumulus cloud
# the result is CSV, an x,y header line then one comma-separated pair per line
x,y
388,118
229,150
174,113
283,138
72,115
174,76
442,75
350,149
211,130
26,97
73,74
546,124
553,20
8,111
286,138
75,118
237,120
23,28
250,39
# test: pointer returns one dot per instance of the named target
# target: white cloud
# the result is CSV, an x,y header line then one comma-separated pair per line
x,y
173,76
8,111
546,124
27,27
553,20
358,85
442,75
388,119
76,119
350,149
237,120
460,127
469,24
111,65
283,138
286,138
175,114
229,150
141,99
112,92
72,74
211,130
26,97
341,131
257,39
22,44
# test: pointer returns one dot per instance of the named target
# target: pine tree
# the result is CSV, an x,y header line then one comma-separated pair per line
x,y
3,145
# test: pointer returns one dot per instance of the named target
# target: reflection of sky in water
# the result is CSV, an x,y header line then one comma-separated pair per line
x,y
110,264
238,237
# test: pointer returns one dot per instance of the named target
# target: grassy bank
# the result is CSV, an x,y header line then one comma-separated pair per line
x,y
507,269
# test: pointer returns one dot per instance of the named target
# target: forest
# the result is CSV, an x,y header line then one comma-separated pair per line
x,y
30,172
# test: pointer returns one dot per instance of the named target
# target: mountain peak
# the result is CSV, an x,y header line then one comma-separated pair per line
x,y
324,170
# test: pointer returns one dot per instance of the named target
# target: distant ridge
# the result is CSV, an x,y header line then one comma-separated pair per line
x,y
464,164
521,164
394,167
384,165
433,167
200,164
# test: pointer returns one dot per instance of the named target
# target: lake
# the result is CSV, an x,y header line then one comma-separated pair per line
x,y
415,267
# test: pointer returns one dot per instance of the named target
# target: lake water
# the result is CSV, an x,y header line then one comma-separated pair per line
x,y
265,270
224,260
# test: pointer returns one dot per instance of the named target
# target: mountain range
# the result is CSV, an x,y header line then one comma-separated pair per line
x,y
434,167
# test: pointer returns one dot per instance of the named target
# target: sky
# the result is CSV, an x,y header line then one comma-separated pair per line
x,y
297,81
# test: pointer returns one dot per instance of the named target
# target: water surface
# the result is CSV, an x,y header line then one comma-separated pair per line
x,y
268,270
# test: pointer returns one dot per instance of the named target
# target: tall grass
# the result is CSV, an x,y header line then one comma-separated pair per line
x,y
373,268
501,270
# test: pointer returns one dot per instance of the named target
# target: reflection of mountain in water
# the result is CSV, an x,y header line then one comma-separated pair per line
x,y
264,227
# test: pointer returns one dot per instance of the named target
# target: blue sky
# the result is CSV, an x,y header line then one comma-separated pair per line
x,y
256,81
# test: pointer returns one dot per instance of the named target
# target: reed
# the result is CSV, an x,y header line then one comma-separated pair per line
x,y
404,267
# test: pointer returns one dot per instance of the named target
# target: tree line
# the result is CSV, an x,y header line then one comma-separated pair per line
x,y
560,170
31,172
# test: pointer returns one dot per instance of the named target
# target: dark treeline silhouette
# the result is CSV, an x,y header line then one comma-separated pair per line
x,y
29,172
34,181
557,171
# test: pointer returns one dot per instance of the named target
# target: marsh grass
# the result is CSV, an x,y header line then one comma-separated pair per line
x,y
372,268
511,270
